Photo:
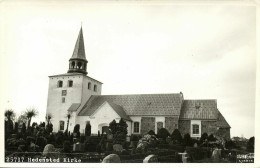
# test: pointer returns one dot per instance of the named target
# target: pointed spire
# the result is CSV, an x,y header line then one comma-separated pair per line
x,y
78,61
79,49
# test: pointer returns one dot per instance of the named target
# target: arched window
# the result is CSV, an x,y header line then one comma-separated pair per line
x,y
136,127
60,83
89,85
73,64
95,88
79,65
62,123
70,83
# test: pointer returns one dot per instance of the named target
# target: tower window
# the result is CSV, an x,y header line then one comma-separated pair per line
x,y
95,88
70,83
79,65
89,85
63,99
136,127
73,64
64,93
62,123
60,83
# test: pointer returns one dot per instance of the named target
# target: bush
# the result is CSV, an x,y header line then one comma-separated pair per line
x,y
134,138
176,136
88,129
230,144
151,132
187,141
203,137
66,147
113,127
41,142
76,130
212,138
163,133
251,144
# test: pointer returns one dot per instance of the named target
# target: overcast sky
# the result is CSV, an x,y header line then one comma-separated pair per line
x,y
204,51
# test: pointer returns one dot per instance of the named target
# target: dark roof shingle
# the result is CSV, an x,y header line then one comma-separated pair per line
x,y
142,104
199,109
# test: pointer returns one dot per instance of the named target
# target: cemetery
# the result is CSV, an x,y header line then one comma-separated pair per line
x,y
38,143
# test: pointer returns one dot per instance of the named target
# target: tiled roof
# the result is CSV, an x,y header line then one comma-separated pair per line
x,y
199,109
74,107
142,104
221,121
120,111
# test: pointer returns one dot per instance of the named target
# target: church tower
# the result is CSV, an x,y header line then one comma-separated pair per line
x,y
68,92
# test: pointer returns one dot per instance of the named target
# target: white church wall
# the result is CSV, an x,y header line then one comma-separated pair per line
x,y
55,106
102,117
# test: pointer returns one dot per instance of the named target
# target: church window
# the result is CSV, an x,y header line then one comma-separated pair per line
x,y
64,92
63,100
195,129
136,127
62,123
95,88
89,85
70,83
73,64
60,83
79,65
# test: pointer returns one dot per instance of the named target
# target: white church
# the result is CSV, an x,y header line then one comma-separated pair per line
x,y
78,94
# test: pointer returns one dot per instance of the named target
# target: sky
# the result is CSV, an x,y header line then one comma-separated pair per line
x,y
204,51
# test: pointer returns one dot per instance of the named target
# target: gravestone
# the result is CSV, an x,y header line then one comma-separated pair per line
x,y
112,158
117,147
216,155
151,159
49,151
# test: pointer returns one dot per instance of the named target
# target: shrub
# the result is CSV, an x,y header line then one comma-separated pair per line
x,y
88,129
176,136
251,144
41,142
212,138
122,126
163,133
66,147
151,132
187,141
16,127
230,144
76,130
203,137
113,127
134,137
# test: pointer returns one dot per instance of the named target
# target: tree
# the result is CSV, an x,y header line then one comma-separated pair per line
x,y
251,144
48,118
176,136
113,127
163,133
29,113
203,137
187,140
68,116
88,129
9,114
122,126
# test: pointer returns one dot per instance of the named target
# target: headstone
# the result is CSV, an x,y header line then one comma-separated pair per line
x,y
195,145
109,136
151,159
216,155
185,159
49,151
117,147
112,158
142,145
76,147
